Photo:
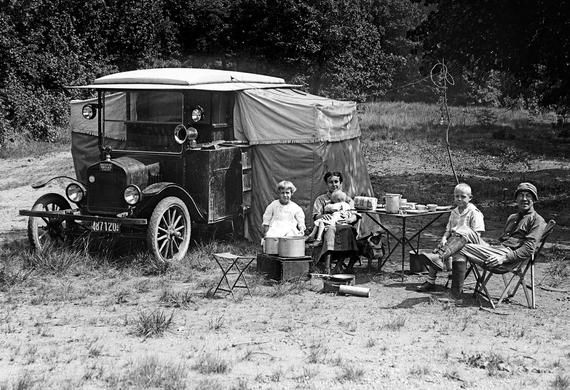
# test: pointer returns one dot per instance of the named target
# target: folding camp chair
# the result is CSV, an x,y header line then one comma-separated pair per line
x,y
517,277
231,264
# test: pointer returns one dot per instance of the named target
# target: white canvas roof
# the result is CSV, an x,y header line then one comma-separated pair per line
x,y
186,78
284,116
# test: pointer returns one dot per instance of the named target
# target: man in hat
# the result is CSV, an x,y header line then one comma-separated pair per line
x,y
522,232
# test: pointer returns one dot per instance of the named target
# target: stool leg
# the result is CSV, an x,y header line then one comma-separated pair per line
x,y
224,277
240,276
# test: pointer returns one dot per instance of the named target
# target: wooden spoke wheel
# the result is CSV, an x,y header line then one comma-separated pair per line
x,y
169,229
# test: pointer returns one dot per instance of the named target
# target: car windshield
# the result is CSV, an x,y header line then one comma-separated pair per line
x,y
145,120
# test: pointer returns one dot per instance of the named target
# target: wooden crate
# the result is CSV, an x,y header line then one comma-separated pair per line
x,y
283,268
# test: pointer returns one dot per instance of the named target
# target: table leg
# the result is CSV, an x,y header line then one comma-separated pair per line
x,y
328,263
403,245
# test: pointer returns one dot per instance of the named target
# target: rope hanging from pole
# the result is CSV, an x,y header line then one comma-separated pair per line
x,y
441,78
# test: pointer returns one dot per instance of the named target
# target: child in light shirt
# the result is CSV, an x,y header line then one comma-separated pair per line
x,y
464,226
283,217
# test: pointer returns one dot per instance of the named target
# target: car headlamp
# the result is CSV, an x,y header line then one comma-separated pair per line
x,y
197,114
132,194
75,193
89,111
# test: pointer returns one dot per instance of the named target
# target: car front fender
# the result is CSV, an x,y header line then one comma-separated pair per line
x,y
157,191
46,182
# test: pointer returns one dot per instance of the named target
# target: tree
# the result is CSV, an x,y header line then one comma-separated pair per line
x,y
42,52
337,47
526,39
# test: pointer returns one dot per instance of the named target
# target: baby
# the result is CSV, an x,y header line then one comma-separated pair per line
x,y
336,211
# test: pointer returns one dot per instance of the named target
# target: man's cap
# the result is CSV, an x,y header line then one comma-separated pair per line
x,y
527,187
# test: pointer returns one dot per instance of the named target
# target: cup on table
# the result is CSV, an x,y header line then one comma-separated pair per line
x,y
421,207
403,201
431,207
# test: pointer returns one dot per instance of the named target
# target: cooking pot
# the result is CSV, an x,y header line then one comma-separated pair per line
x,y
271,245
291,246
347,279
393,203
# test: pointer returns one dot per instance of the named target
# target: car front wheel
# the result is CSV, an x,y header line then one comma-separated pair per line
x,y
168,235
47,232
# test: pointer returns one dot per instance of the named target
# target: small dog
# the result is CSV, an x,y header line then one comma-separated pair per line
x,y
373,247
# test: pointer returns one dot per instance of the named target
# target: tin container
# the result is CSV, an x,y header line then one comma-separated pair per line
x,y
393,203
291,246
271,245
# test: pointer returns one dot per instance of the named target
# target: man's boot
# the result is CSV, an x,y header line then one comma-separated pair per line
x,y
458,278
437,260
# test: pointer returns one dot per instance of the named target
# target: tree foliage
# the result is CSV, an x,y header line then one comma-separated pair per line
x,y
526,40
349,49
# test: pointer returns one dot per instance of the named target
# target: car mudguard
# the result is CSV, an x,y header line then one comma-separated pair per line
x,y
46,182
157,191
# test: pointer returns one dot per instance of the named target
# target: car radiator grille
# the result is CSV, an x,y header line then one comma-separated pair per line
x,y
105,195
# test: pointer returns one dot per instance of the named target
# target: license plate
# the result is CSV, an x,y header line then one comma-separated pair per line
x,y
105,227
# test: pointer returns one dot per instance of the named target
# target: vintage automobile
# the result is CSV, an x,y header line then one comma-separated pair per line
x,y
171,162
160,152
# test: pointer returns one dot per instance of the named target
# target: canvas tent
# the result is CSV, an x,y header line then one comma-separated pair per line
x,y
298,137
293,136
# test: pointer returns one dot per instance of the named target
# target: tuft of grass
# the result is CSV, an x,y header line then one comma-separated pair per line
x,y
419,371
155,323
307,374
370,342
282,289
151,373
337,361
511,332
492,362
209,384
210,363
242,384
24,381
318,352
394,324
350,374
10,277
276,375
31,354
181,299
54,260
94,349
216,323
452,375
149,265
558,270
561,382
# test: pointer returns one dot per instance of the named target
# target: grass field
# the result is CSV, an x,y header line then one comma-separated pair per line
x,y
103,317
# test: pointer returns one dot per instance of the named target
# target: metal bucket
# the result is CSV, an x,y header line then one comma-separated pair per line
x,y
417,263
291,246
393,203
271,245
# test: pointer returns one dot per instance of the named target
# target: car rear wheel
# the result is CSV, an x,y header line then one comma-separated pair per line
x,y
48,232
168,235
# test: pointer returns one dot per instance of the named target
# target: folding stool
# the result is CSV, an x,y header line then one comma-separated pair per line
x,y
231,264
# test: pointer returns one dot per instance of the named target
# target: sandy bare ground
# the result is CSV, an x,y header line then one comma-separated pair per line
x,y
78,329
16,192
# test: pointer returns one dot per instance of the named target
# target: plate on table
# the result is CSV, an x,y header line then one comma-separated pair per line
x,y
380,209
414,211
442,208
